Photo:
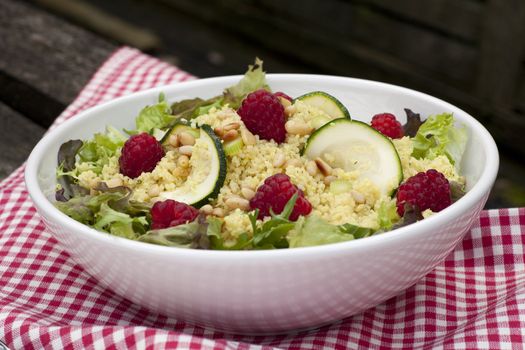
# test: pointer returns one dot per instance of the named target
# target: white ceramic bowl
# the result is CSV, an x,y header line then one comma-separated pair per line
x,y
276,290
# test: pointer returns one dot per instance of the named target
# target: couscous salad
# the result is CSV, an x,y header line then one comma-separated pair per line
x,y
256,169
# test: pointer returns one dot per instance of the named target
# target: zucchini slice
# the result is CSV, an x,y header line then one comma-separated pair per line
x,y
325,102
208,169
354,145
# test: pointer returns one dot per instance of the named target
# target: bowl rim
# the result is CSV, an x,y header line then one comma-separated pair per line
x,y
474,195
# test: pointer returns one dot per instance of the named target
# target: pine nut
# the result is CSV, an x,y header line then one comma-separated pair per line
x,y
170,166
186,139
235,202
279,160
186,150
247,137
311,168
173,140
293,162
232,126
154,190
285,102
296,127
219,212
328,179
218,130
323,166
114,182
289,111
358,197
183,161
234,187
206,209
230,135
247,193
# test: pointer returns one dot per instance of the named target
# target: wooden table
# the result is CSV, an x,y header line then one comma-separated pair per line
x,y
44,63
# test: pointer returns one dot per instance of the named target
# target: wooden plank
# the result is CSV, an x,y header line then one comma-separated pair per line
x,y
460,19
332,55
88,16
520,96
502,54
18,136
194,45
374,27
349,24
45,56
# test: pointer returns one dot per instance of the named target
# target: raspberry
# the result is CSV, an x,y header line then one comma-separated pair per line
x,y
140,153
275,193
426,190
387,125
263,115
171,213
282,94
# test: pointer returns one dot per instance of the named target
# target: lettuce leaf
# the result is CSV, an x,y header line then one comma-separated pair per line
x,y
96,152
85,208
272,234
66,158
110,211
254,79
190,235
439,136
216,240
155,116
387,214
313,231
413,123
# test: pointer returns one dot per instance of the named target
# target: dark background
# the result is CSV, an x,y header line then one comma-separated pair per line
x,y
468,52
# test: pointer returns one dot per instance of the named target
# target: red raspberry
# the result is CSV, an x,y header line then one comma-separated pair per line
x,y
170,213
387,125
426,190
263,114
140,153
282,94
275,193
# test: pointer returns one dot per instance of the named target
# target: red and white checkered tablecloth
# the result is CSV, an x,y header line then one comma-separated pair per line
x,y
474,300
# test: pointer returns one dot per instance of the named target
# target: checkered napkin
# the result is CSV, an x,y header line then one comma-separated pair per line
x,y
474,300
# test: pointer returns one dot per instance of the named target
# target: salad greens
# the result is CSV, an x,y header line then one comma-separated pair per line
x,y
191,235
439,136
275,233
111,209
388,216
94,154
157,116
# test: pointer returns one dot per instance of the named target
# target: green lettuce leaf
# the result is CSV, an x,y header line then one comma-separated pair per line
x,y
313,231
387,214
254,79
96,152
272,234
110,211
84,208
356,231
118,223
156,116
439,136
